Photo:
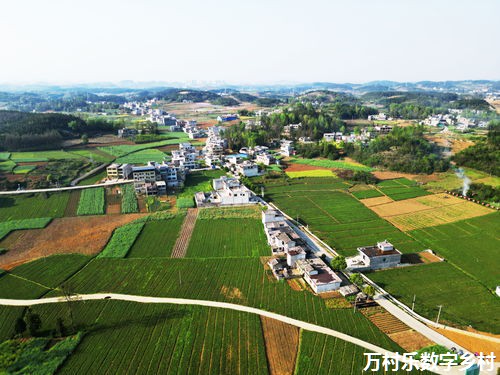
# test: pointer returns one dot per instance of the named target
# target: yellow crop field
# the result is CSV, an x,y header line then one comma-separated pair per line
x,y
312,173
426,211
377,201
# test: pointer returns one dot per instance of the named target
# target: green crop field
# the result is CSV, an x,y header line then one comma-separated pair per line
x,y
336,217
469,244
322,354
157,238
199,181
123,150
363,194
7,166
325,163
401,188
95,155
36,355
92,179
464,300
53,270
16,287
228,238
27,206
122,240
129,200
23,169
8,226
91,202
126,337
237,280
42,156
4,155
142,157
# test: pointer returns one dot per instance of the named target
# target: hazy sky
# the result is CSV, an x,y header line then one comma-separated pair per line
x,y
248,41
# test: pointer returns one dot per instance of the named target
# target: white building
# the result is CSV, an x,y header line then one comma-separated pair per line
x,y
247,169
265,159
382,255
227,191
118,171
320,277
286,148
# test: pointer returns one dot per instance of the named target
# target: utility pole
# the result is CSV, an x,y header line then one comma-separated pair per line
x,y
355,300
439,313
413,303
180,280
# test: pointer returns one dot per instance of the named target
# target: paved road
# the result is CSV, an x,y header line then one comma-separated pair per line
x,y
224,305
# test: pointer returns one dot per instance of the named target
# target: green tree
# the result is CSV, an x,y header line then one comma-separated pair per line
x,y
369,290
85,139
338,263
20,327
356,278
61,328
34,323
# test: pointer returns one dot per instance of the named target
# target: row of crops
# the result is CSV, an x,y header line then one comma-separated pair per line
x,y
129,200
91,202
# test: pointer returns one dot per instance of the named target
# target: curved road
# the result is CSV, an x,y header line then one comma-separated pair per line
x,y
224,305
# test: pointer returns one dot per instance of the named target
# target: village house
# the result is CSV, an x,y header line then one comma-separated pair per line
x,y
320,277
382,255
287,148
265,159
227,191
383,129
117,171
247,169
331,137
226,118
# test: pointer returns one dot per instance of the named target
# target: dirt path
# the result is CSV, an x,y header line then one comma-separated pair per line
x,y
182,243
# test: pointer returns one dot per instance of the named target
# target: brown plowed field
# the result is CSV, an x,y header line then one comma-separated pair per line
x,y
85,235
282,342
182,243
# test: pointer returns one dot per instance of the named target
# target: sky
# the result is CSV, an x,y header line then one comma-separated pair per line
x,y
251,41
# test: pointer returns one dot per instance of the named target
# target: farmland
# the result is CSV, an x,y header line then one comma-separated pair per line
x,y
36,355
91,202
8,226
464,300
129,337
122,150
470,244
234,237
53,270
401,188
428,211
325,163
25,206
321,354
122,240
157,238
23,169
94,155
237,280
28,157
312,173
199,181
129,200
142,157
336,217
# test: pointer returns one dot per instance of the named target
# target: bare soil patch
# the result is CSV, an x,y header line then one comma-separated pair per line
x,y
113,201
410,340
295,284
85,235
282,342
33,163
429,257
